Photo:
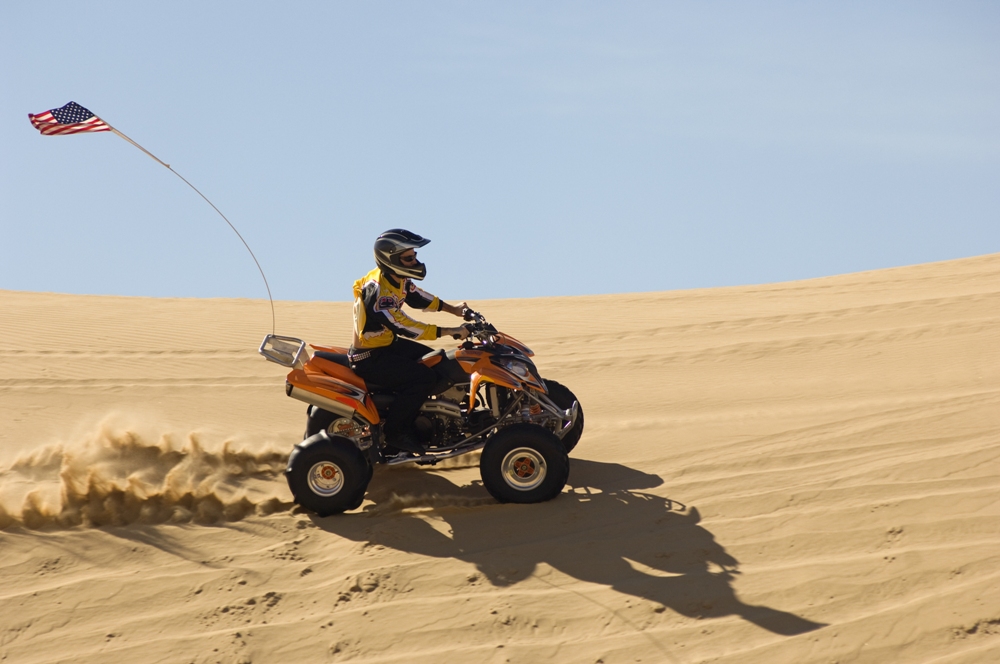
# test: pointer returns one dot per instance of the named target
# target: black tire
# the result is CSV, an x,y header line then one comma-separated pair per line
x,y
524,463
317,420
563,398
328,474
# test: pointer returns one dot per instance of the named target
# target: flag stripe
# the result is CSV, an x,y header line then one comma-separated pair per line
x,y
77,128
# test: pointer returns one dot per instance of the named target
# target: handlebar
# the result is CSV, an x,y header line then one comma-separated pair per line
x,y
485,333
477,324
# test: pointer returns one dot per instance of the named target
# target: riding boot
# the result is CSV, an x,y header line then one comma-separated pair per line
x,y
407,442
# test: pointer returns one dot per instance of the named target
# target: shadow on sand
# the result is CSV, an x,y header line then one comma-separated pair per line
x,y
590,533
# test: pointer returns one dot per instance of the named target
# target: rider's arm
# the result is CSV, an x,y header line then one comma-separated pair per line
x,y
458,332
404,326
454,309
421,299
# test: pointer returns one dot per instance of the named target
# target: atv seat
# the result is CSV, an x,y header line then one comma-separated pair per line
x,y
343,360
337,358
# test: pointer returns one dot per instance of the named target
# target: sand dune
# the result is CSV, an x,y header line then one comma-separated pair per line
x,y
798,472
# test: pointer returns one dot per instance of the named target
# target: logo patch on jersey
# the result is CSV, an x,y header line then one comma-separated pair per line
x,y
387,302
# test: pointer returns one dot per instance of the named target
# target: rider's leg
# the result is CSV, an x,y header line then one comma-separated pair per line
x,y
408,348
409,380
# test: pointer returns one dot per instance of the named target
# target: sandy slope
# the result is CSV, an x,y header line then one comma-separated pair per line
x,y
800,472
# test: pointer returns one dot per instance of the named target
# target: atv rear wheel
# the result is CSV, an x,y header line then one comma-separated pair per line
x,y
317,420
524,463
563,398
328,474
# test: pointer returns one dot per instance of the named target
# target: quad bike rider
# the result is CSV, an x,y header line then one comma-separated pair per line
x,y
390,400
386,349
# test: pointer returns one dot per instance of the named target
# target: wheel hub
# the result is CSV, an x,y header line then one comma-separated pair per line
x,y
326,478
523,469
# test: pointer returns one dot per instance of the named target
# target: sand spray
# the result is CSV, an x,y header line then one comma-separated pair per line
x,y
120,474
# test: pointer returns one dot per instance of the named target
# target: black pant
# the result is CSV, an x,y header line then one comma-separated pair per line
x,y
397,369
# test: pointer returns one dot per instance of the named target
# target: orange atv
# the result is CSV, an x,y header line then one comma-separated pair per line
x,y
488,396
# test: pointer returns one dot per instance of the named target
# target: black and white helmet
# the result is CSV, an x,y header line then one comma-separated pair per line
x,y
391,244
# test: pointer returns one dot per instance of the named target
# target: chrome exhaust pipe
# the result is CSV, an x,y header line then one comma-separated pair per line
x,y
319,401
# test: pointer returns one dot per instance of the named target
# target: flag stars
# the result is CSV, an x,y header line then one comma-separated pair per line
x,y
71,113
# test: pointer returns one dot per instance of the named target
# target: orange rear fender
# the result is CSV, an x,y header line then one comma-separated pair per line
x,y
341,391
319,366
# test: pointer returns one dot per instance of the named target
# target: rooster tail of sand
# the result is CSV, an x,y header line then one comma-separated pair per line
x,y
119,474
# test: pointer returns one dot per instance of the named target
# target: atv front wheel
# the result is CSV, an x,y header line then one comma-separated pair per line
x,y
327,474
524,463
563,398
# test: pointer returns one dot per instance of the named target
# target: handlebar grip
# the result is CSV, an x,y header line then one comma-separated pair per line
x,y
468,314
468,326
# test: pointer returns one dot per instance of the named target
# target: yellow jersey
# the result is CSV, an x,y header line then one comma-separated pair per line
x,y
378,314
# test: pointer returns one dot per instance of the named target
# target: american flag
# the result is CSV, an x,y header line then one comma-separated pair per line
x,y
70,119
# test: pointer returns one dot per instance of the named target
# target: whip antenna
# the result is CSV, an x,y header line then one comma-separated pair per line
x,y
75,119
184,180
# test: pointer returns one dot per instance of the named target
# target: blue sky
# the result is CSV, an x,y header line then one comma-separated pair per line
x,y
554,148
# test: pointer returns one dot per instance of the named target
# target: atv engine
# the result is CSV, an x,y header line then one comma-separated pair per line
x,y
439,422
